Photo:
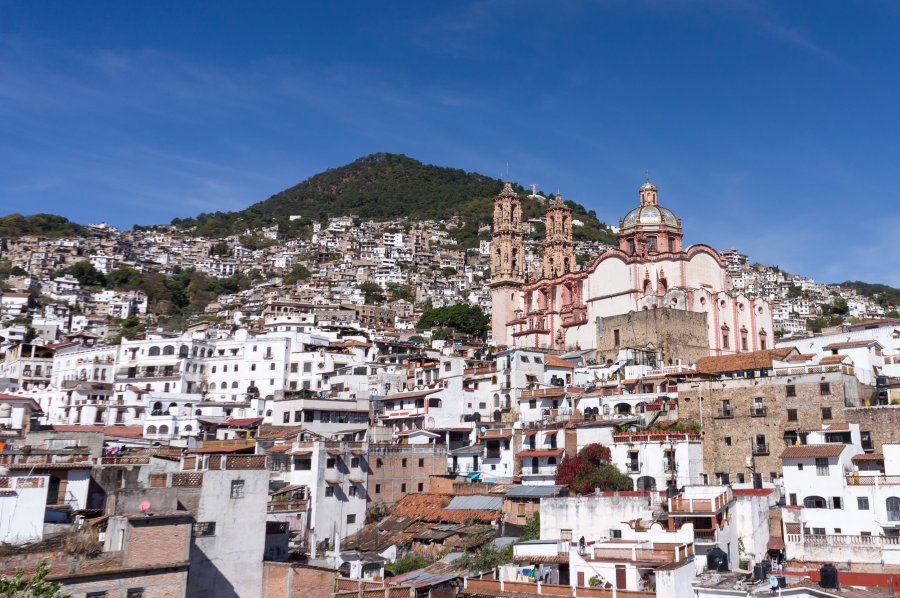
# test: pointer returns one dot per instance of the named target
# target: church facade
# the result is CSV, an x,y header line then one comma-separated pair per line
x,y
562,308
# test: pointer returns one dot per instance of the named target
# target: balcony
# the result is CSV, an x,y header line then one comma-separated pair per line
x,y
700,504
761,449
724,413
705,536
758,412
573,315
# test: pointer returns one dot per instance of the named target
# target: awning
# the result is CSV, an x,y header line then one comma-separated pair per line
x,y
775,543
355,481
333,482
357,453
550,432
530,433
475,475
334,453
302,454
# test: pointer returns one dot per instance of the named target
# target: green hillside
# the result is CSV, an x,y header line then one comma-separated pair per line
x,y
382,187
14,226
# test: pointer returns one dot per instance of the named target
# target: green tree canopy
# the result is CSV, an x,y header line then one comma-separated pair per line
x,y
467,319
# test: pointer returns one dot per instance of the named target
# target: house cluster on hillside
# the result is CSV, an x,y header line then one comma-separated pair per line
x,y
616,435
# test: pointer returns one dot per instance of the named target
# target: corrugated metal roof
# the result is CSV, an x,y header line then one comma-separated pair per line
x,y
533,491
476,502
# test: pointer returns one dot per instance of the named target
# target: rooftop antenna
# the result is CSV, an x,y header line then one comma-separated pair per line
x,y
648,174
507,171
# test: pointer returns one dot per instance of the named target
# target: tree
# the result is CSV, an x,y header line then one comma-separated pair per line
x,y
372,293
298,272
794,292
85,272
463,318
220,249
591,469
20,586
532,529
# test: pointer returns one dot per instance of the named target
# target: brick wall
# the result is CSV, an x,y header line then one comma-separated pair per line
x,y
151,542
169,584
391,481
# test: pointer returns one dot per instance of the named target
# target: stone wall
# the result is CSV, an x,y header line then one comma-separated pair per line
x,y
677,333
390,480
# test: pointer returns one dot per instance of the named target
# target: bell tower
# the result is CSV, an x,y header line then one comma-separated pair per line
x,y
559,249
507,261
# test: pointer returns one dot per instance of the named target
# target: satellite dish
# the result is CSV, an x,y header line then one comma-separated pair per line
x,y
483,429
144,506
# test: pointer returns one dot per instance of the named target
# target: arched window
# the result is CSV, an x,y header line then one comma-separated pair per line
x,y
893,508
198,412
815,502
153,352
157,407
212,386
151,429
169,350
551,460
183,351
234,384
188,428
535,467
164,429
434,403
194,352
268,413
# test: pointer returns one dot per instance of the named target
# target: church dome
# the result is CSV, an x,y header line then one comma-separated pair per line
x,y
649,216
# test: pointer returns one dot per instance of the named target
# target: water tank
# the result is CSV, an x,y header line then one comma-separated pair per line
x,y
717,560
828,577
762,570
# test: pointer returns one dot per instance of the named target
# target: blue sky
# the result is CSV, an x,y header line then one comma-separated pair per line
x,y
772,127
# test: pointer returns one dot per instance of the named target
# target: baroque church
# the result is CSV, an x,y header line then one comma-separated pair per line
x,y
562,307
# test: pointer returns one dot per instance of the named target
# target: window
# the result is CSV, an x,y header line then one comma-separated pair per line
x,y
728,441
818,531
866,440
377,488
135,593
822,466
724,478
352,490
824,388
204,528
403,463
893,508
354,462
95,595
379,463
329,490
826,412
815,502
836,502
308,415
565,534
302,464
615,534
351,519
329,463
293,368
421,462
792,499
790,390
616,337
421,487
740,478
725,409
792,415
862,503
237,488
532,404
287,417
402,487
297,415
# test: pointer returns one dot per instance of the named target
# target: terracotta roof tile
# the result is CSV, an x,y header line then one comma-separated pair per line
x,y
541,453
755,360
557,362
809,451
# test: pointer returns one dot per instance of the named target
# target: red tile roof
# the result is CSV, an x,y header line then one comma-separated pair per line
x,y
557,362
755,360
108,431
411,395
752,491
830,359
809,451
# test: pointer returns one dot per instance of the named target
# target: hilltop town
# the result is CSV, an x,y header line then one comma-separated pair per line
x,y
518,401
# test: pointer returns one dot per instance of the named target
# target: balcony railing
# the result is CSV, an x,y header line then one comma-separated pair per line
x,y
724,413
758,412
761,449
873,480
